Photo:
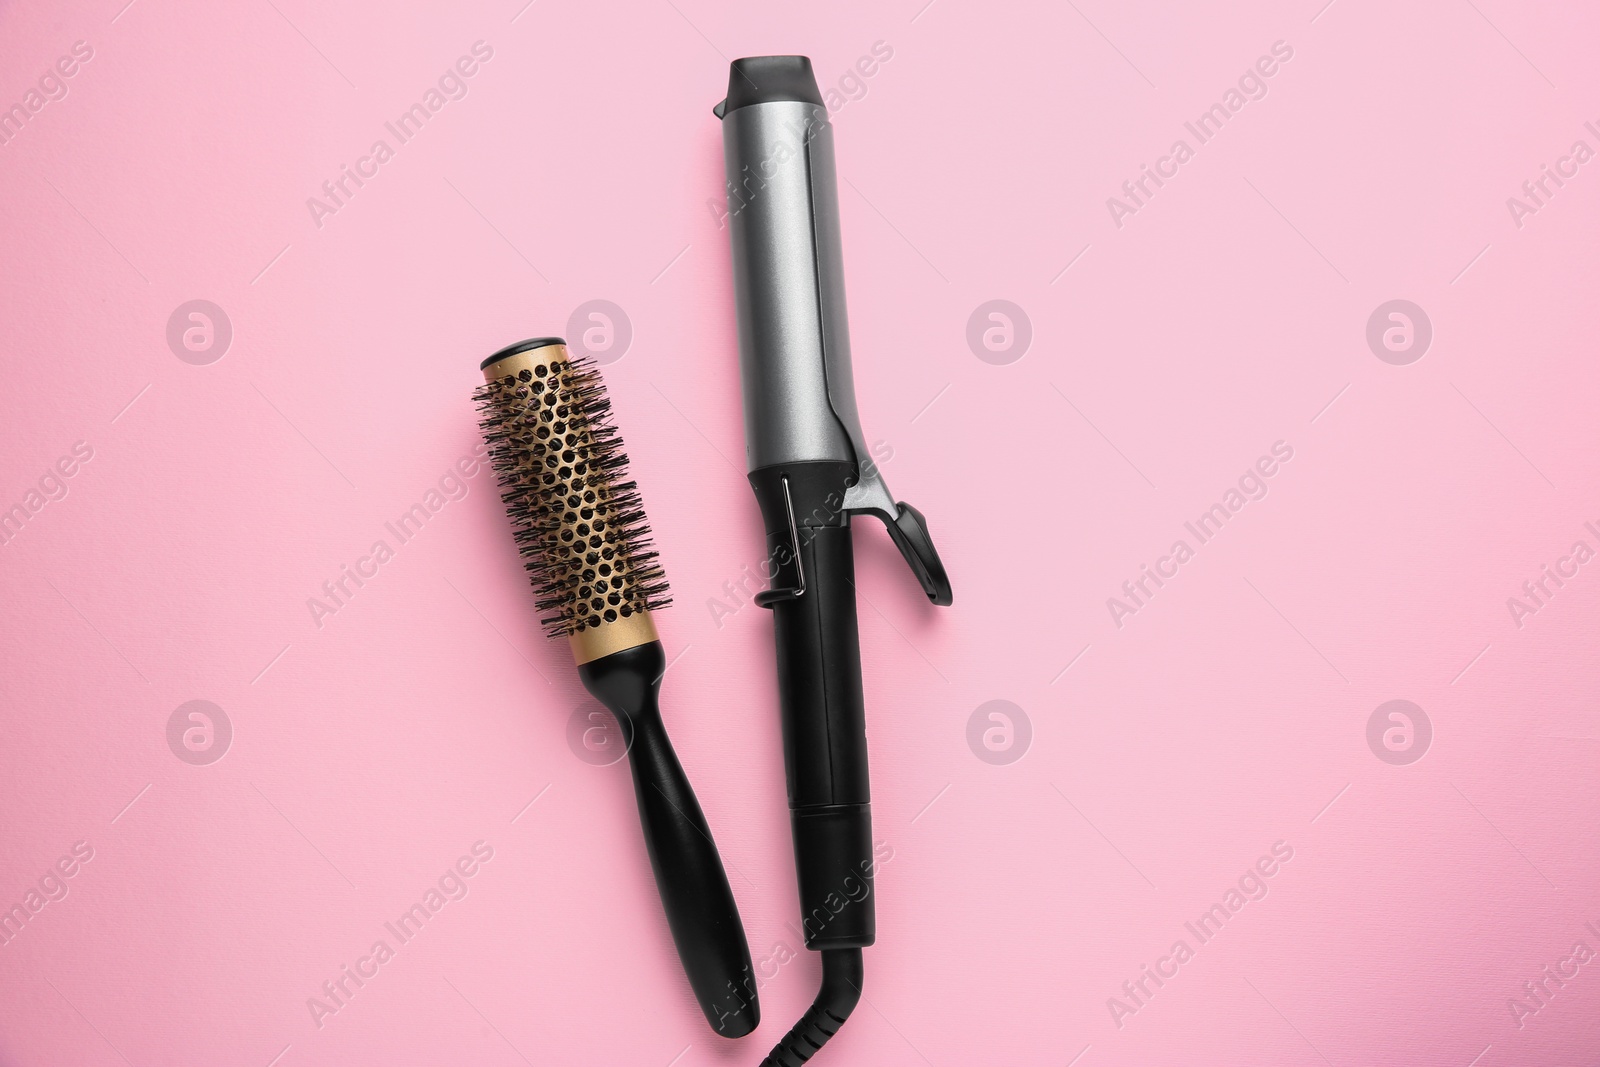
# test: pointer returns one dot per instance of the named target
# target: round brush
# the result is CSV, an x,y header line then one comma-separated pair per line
x,y
581,529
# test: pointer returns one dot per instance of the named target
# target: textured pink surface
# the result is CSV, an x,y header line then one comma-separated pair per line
x,y
1226,717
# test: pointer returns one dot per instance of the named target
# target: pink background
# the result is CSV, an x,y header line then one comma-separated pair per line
x,y
1230,713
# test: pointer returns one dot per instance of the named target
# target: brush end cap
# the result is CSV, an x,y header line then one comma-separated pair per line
x,y
521,346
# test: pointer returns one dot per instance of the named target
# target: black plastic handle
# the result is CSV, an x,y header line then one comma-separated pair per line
x,y
813,604
825,744
689,875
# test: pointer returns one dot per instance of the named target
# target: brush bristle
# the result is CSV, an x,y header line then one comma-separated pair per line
x,y
579,524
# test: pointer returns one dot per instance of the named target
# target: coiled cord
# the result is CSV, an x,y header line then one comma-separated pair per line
x,y
842,974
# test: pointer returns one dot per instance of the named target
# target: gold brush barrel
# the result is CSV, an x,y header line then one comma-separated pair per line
x,y
580,529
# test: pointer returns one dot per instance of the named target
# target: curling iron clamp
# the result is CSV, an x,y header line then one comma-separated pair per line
x,y
810,470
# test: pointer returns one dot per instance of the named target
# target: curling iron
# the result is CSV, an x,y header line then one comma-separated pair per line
x,y
811,472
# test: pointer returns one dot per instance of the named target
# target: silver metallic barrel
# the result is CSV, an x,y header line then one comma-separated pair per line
x,y
788,269
788,286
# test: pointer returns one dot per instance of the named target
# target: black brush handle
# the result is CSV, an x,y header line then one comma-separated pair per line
x,y
694,887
